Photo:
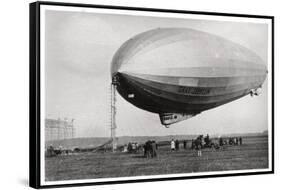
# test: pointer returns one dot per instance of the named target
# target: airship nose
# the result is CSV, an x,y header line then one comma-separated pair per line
x,y
115,78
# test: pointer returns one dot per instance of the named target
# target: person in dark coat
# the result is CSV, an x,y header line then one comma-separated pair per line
x,y
129,147
184,144
192,144
147,149
153,149
177,144
221,141
240,140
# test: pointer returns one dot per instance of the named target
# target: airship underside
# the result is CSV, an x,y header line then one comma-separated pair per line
x,y
180,78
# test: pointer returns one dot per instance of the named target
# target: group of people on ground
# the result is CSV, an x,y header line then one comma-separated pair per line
x,y
131,147
195,144
235,141
205,142
150,149
175,144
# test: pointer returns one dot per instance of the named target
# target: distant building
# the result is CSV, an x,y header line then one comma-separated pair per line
x,y
58,129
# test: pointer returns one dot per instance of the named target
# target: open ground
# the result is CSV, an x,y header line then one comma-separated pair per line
x,y
252,154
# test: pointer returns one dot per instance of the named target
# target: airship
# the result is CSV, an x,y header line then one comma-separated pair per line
x,y
181,72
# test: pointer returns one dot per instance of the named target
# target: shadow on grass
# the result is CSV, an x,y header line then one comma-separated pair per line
x,y
138,156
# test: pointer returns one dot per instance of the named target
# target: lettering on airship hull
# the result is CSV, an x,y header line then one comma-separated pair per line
x,y
192,90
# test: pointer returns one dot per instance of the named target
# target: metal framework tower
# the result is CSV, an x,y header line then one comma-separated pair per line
x,y
57,129
113,114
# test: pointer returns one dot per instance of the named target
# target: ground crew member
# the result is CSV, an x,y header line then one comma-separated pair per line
x,y
221,141
199,150
173,146
184,144
153,149
177,144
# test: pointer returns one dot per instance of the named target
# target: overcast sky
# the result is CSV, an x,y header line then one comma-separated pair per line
x,y
79,50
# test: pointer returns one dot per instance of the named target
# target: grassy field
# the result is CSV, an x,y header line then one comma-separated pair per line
x,y
253,154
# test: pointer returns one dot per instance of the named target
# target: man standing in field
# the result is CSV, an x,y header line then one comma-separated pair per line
x,y
173,145
220,141
147,149
199,150
192,144
153,148
177,144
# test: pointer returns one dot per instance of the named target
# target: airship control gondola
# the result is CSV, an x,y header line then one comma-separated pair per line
x,y
180,72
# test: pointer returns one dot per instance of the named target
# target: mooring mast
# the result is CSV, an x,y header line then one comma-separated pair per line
x,y
113,114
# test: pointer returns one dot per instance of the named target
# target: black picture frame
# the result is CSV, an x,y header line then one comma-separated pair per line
x,y
35,92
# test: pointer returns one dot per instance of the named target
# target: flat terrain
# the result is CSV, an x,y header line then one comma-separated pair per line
x,y
252,154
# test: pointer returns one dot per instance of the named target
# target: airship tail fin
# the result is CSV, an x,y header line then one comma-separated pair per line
x,y
170,118
255,92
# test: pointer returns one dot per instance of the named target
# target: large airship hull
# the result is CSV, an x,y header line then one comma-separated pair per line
x,y
184,71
